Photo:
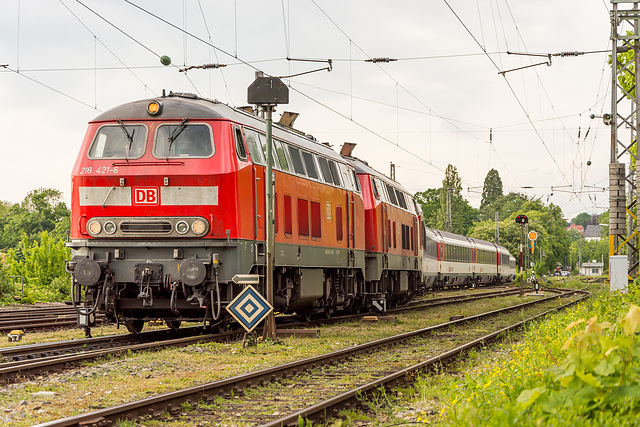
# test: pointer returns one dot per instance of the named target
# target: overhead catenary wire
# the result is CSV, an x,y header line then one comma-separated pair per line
x,y
391,77
134,40
519,102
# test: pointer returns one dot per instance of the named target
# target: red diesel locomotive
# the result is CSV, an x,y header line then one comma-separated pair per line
x,y
168,205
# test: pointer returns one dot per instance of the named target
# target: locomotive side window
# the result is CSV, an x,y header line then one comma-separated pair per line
x,y
288,229
346,178
312,171
316,220
392,195
183,140
334,173
274,158
326,172
281,154
296,159
375,189
240,150
252,144
303,217
119,142
401,200
339,223
356,180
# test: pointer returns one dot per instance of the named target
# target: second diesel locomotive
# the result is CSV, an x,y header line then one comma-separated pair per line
x,y
168,205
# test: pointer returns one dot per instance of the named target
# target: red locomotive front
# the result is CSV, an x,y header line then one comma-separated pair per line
x,y
168,205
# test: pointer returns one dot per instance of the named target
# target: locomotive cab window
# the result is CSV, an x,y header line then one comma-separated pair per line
x,y
119,142
252,144
240,150
183,140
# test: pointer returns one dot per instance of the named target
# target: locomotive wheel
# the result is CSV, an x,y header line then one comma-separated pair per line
x,y
134,326
222,327
174,325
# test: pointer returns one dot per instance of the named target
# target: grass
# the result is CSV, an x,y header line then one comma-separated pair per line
x,y
553,373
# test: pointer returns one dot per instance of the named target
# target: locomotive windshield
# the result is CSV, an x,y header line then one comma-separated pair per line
x,y
192,141
119,142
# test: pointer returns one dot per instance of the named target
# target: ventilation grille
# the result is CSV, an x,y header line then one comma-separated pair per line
x,y
150,227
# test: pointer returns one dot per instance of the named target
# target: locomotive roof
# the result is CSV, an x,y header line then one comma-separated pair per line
x,y
180,105
363,167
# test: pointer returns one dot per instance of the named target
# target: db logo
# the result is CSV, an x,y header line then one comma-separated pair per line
x,y
146,196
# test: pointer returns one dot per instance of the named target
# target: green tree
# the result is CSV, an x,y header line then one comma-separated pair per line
x,y
582,219
462,214
42,210
491,192
547,221
429,201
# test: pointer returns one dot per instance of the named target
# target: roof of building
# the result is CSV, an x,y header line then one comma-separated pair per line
x,y
592,264
577,227
592,231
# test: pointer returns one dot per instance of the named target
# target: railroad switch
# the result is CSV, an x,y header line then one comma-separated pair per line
x,y
15,335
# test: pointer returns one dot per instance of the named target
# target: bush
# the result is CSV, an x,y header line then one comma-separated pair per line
x,y
42,267
571,369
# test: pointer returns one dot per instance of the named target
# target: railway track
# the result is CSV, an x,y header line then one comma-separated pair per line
x,y
339,377
27,361
41,318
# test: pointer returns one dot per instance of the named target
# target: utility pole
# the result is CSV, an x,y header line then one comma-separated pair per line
x,y
497,236
448,221
268,92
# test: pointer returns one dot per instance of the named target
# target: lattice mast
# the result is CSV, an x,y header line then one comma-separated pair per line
x,y
625,36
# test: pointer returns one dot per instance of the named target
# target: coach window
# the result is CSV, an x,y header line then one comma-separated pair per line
x,y
252,144
297,161
339,223
312,170
119,142
303,217
183,140
334,173
288,229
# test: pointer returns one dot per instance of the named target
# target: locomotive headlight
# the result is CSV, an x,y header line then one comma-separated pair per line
x,y
198,226
154,108
109,227
182,227
94,227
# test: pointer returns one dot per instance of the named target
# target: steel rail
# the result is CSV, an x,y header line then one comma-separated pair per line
x,y
319,410
40,358
159,404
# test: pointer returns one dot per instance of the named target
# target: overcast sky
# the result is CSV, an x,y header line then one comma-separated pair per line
x,y
442,102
